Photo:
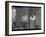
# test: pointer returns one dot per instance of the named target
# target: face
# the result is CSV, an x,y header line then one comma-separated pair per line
x,y
25,18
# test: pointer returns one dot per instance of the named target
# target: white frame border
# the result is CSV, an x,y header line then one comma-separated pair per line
x,y
30,31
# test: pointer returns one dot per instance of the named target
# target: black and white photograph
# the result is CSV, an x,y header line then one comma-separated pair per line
x,y
24,18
